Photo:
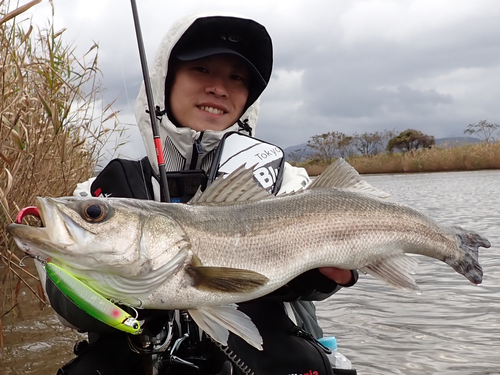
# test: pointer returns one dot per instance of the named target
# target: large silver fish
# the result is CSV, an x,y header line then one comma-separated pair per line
x,y
235,242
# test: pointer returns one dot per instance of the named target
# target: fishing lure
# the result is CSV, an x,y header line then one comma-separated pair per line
x,y
92,302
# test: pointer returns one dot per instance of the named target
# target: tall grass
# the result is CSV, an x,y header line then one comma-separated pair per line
x,y
52,126
466,157
437,159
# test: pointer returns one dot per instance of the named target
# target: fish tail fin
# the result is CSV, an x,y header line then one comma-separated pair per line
x,y
217,321
468,265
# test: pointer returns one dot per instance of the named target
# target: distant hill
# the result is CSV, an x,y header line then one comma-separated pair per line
x,y
302,151
298,152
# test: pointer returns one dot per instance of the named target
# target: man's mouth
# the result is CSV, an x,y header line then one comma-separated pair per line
x,y
212,110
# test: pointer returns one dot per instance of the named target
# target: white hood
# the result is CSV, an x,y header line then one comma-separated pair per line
x,y
178,141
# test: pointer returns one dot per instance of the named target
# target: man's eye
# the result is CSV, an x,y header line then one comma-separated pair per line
x,y
200,69
237,77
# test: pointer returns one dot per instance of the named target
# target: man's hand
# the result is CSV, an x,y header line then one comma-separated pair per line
x,y
340,276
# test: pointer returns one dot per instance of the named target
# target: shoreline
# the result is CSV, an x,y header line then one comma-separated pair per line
x,y
315,170
482,156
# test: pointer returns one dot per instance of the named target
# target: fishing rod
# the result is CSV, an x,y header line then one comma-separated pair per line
x,y
164,193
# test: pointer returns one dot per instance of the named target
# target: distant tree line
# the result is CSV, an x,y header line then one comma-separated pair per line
x,y
329,146
409,140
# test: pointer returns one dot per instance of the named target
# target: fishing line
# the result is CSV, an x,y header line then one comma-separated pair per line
x,y
124,84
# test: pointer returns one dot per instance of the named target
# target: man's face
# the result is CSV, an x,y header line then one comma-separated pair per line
x,y
209,93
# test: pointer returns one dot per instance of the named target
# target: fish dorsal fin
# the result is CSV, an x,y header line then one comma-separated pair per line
x,y
196,196
395,271
238,186
341,175
216,321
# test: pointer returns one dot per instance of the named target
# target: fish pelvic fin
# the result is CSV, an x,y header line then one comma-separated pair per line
x,y
224,279
395,271
469,243
218,321
342,175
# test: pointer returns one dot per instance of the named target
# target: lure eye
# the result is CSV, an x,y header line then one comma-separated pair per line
x,y
94,212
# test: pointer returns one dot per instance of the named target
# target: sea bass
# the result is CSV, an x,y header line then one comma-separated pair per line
x,y
235,242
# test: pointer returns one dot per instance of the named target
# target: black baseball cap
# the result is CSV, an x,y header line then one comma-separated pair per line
x,y
241,37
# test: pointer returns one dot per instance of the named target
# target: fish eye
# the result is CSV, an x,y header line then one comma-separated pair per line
x,y
94,212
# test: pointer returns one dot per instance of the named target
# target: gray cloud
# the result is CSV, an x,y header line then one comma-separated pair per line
x,y
350,66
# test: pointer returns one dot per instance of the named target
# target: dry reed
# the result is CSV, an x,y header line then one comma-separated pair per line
x,y
52,129
465,157
437,159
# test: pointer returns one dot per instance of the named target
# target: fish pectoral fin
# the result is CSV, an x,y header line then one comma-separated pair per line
x,y
395,271
225,279
219,320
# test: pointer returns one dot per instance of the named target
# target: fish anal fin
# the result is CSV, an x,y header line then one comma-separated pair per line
x,y
224,279
217,321
395,271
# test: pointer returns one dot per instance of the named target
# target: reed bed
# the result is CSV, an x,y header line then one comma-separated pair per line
x,y
52,128
437,159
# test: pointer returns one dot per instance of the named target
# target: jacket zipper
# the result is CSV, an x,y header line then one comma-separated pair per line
x,y
197,152
299,332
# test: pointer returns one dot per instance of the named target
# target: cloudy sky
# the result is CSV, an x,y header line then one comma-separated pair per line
x,y
350,66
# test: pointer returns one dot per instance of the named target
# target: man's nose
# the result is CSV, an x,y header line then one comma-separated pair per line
x,y
217,87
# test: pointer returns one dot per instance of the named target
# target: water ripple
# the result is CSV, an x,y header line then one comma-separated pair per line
x,y
453,326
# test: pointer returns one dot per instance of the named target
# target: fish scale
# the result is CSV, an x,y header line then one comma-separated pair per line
x,y
319,230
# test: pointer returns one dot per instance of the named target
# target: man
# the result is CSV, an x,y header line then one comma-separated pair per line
x,y
207,76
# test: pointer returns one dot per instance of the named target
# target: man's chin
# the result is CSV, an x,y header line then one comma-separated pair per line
x,y
218,125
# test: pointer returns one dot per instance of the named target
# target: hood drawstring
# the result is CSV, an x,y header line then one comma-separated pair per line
x,y
159,113
244,126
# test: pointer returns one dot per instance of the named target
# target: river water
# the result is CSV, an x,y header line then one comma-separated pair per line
x,y
453,327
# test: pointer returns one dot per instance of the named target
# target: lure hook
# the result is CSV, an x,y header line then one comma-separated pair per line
x,y
21,263
121,302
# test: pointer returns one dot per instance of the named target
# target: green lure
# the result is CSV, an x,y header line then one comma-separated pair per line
x,y
92,302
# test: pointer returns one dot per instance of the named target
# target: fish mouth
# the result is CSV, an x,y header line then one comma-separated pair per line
x,y
38,241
